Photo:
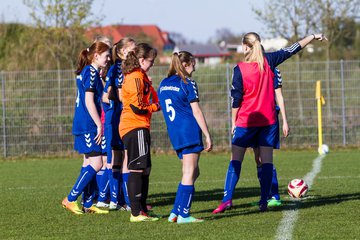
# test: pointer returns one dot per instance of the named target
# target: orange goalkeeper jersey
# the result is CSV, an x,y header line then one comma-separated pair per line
x,y
137,108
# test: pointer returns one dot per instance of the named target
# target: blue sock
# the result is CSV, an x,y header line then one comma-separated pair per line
x,y
89,195
83,180
232,177
258,170
81,171
99,178
275,186
121,198
114,186
104,186
125,177
265,182
187,193
176,207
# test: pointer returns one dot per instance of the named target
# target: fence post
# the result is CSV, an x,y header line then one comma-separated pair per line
x,y
343,100
4,112
228,99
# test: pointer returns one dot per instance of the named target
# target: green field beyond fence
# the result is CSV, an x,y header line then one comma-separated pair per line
x,y
37,107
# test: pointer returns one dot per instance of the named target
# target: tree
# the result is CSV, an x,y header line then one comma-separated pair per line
x,y
62,24
329,19
291,20
294,19
178,38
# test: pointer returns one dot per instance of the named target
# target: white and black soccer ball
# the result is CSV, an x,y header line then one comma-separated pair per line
x,y
297,188
325,148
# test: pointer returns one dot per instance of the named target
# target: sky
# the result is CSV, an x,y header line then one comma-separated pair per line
x,y
196,20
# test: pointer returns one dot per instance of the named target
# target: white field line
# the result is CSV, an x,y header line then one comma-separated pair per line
x,y
169,183
287,224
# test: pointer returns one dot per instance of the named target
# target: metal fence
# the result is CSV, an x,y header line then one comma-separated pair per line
x,y
37,107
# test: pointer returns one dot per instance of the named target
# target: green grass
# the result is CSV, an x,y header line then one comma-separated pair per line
x,y
32,189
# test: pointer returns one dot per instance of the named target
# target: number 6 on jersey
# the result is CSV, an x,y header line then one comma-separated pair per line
x,y
170,109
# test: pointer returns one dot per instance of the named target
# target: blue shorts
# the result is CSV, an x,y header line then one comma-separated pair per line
x,y
113,138
85,143
267,136
104,145
190,149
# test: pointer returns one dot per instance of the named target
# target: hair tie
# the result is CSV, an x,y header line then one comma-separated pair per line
x,y
88,50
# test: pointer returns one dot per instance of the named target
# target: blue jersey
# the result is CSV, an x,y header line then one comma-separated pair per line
x,y
114,79
277,79
175,97
88,81
277,83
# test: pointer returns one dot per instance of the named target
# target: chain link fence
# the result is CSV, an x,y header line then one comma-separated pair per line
x,y
37,107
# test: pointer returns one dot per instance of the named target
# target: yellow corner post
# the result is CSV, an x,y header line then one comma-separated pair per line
x,y
320,101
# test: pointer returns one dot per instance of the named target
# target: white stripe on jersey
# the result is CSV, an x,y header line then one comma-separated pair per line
x,y
292,48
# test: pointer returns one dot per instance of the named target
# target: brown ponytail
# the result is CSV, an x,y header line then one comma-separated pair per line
x,y
176,66
131,63
142,50
86,56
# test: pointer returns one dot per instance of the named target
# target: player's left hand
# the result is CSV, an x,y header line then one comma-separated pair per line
x,y
286,129
208,144
98,136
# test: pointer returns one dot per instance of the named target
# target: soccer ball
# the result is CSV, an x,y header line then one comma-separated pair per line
x,y
297,188
325,148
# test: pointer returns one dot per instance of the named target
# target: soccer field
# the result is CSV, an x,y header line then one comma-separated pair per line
x,y
32,189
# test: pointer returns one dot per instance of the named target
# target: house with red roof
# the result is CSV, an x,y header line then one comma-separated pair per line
x,y
141,33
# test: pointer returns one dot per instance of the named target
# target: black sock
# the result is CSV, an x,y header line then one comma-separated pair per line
x,y
134,191
144,192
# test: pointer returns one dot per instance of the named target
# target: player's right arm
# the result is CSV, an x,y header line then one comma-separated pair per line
x,y
236,95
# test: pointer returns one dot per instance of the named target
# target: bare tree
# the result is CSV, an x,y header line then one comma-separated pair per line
x,y
291,20
178,38
329,18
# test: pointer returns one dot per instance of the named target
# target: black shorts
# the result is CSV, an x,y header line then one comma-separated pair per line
x,y
137,144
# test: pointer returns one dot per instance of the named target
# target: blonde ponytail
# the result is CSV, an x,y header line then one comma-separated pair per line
x,y
252,40
117,53
176,66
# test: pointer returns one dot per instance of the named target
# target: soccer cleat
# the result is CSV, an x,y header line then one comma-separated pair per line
x,y
125,208
102,205
190,219
94,209
143,217
274,202
223,206
263,208
71,206
113,206
172,218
